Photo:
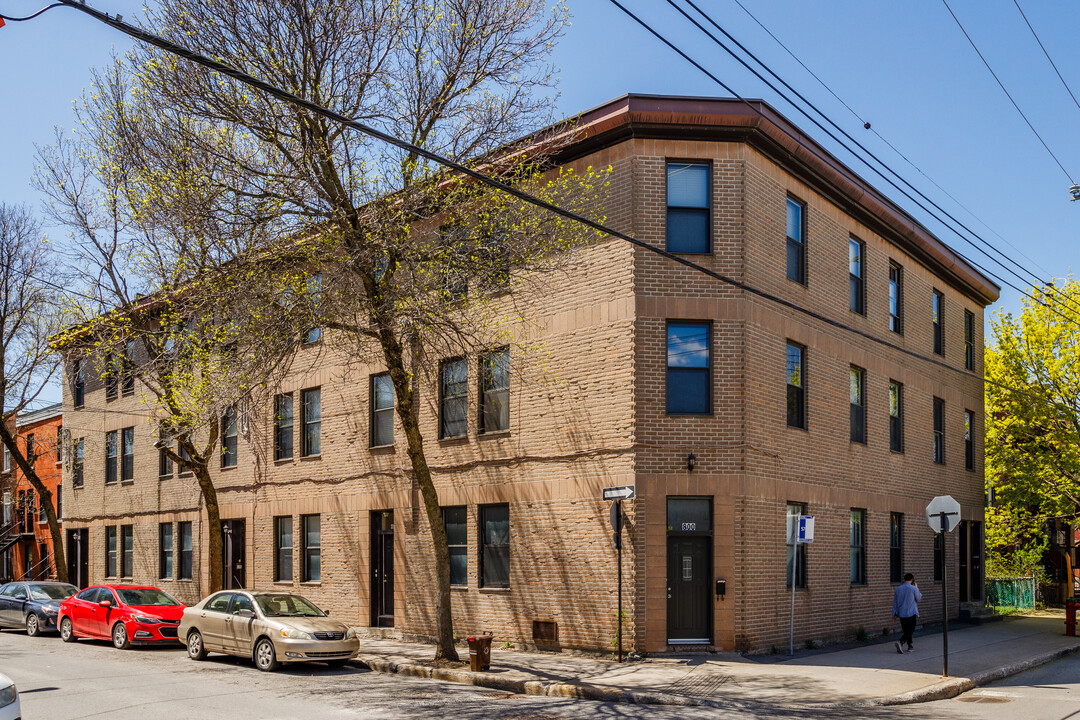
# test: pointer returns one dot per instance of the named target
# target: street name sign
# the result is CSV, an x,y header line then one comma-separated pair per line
x,y
806,529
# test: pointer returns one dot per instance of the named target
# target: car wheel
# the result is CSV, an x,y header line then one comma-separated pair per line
x,y
67,632
195,648
265,658
119,637
33,625
337,663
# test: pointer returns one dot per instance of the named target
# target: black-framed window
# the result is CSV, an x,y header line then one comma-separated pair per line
x,y
59,443
939,569
796,552
183,531
453,398
495,390
796,241
42,513
939,430
857,527
969,340
184,455
455,519
127,370
165,551
283,426
689,368
969,440
857,399
856,276
896,416
311,551
60,502
30,448
382,410
111,443
896,298
127,454
78,384
938,317
283,548
127,551
110,551
311,422
228,438
112,377
796,385
77,456
688,225
896,547
165,463
314,292
495,543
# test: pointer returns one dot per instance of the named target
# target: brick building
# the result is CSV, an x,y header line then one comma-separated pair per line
x,y
854,394
26,543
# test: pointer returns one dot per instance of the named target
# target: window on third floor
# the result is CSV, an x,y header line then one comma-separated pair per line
x,y
688,208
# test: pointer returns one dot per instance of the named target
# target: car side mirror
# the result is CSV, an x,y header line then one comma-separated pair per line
x,y
327,613
246,613
105,603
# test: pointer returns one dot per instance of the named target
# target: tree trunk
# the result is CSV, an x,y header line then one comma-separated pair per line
x,y
45,499
444,621
213,522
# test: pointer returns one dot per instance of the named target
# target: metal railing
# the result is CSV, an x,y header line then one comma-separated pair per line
x,y
44,564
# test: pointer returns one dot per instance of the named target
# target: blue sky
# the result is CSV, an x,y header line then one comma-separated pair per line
x,y
905,67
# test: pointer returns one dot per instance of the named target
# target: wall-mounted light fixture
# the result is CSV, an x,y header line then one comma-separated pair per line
x,y
691,461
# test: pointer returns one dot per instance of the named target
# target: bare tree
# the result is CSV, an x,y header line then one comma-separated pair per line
x,y
29,315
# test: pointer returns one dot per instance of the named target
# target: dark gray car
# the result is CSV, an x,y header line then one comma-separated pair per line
x,y
32,605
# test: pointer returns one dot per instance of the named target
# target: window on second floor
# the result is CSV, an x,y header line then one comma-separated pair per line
x,y
495,391
30,448
453,398
689,372
857,397
382,410
939,431
938,310
283,426
127,454
228,438
77,450
688,208
896,416
969,340
311,423
796,386
111,442
896,298
796,245
969,440
856,281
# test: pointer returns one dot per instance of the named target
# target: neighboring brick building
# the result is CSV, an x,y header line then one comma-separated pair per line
x,y
29,547
727,410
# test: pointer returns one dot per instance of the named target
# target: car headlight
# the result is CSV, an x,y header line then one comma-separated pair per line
x,y
295,634
350,633
50,610
8,695
145,620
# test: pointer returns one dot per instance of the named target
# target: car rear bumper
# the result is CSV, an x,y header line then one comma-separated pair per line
x,y
290,650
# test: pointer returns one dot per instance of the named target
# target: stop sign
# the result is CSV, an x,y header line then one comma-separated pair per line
x,y
943,504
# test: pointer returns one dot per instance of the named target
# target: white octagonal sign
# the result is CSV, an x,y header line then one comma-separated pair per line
x,y
943,504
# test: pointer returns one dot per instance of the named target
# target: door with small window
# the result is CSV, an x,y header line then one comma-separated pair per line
x,y
689,571
382,568
233,545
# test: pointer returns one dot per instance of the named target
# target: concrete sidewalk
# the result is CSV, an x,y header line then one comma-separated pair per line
x,y
872,674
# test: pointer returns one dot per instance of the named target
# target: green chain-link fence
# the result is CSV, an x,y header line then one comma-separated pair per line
x,y
1017,592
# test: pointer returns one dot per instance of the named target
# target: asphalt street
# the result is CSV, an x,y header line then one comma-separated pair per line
x,y
92,679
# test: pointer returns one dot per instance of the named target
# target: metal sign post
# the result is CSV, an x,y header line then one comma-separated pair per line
x,y
944,510
616,495
804,533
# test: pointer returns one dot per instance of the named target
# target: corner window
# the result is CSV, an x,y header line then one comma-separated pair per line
x,y
455,519
165,551
311,555
856,281
896,416
127,456
495,539
896,547
938,316
495,391
228,438
969,340
453,398
796,247
939,431
183,529
283,427
311,427
283,547
969,440
382,410
110,457
688,368
796,552
796,390
110,551
896,298
688,208
857,396
857,525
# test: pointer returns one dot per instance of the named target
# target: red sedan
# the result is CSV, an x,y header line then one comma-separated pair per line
x,y
121,613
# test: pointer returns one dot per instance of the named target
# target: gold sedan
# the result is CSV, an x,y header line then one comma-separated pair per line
x,y
268,627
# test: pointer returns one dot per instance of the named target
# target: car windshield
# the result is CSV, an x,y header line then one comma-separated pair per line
x,y
52,592
146,596
287,606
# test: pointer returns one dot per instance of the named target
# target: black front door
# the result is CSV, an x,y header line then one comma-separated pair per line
x,y
689,570
232,553
78,557
964,569
382,568
975,545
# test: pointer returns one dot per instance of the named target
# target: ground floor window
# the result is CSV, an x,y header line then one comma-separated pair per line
x,y
312,550
165,551
283,547
495,537
110,551
183,529
455,519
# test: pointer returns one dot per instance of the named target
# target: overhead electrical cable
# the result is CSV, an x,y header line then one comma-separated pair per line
x,y
1047,54
144,36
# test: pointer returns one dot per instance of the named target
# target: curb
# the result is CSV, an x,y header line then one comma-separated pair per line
x,y
942,690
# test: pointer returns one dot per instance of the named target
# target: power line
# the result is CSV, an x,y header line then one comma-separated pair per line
x,y
1002,86
1047,54
866,124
